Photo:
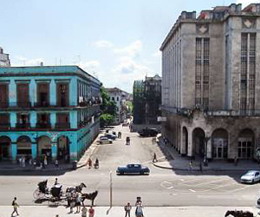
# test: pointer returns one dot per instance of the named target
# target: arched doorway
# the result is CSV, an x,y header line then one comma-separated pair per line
x,y
246,144
24,147
44,146
5,148
198,140
63,148
185,140
220,144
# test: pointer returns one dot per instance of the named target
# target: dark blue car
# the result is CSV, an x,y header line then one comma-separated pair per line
x,y
133,169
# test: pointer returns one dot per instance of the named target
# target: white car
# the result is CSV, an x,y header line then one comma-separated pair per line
x,y
104,140
251,176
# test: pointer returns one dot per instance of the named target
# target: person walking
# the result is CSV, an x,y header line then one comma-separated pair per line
x,y
190,165
128,208
139,211
155,158
91,212
15,206
89,163
78,202
84,211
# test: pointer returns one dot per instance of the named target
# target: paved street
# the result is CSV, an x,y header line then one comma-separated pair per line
x,y
162,187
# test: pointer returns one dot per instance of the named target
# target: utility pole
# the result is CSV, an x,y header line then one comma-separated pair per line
x,y
110,175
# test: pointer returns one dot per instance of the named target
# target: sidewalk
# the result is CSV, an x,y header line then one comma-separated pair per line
x,y
43,211
183,163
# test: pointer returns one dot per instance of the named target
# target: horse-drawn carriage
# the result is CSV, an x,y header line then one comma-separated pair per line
x,y
56,194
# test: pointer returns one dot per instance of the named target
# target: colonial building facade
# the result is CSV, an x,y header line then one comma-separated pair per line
x,y
52,110
210,83
120,98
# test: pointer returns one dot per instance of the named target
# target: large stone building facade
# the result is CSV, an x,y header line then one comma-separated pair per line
x,y
210,85
47,110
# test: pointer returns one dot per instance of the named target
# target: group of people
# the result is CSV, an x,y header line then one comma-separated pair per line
x,y
75,200
96,164
138,208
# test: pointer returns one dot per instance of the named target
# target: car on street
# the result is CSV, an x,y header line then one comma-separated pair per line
x,y
104,140
251,176
133,169
146,132
111,136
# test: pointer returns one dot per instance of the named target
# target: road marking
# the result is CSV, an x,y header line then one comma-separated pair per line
x,y
192,190
167,185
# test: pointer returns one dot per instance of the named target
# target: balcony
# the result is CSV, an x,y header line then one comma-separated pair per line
x,y
24,104
42,104
43,125
4,104
5,126
62,125
22,125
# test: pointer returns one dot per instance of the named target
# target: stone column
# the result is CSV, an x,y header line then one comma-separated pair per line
x,y
53,119
54,151
32,92
73,92
33,119
34,150
53,93
12,93
190,144
14,152
13,119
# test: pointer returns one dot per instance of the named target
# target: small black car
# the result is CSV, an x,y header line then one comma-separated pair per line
x,y
148,132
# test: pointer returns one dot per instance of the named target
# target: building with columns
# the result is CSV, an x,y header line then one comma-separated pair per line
x,y
52,110
211,83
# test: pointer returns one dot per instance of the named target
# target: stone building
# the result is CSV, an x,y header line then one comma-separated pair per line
x,y
4,59
210,83
47,110
147,101
120,98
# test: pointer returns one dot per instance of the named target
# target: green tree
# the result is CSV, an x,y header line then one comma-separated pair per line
x,y
108,109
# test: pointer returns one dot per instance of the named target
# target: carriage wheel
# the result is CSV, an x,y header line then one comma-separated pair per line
x,y
37,194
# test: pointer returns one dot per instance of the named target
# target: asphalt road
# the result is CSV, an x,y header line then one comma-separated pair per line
x,y
161,188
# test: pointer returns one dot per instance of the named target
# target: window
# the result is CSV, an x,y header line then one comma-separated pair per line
x,y
4,98
202,72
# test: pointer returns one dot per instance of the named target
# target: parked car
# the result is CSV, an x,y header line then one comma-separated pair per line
x,y
251,176
104,140
148,132
110,136
133,169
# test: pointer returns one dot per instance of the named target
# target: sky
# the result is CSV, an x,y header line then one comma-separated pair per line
x,y
116,41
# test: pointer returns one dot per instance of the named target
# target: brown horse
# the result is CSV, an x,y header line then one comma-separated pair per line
x,y
239,213
90,196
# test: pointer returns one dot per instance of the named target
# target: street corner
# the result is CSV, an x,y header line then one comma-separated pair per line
x,y
164,164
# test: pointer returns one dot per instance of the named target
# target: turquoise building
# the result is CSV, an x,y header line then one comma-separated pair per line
x,y
47,110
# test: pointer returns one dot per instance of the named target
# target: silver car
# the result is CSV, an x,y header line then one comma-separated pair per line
x,y
251,176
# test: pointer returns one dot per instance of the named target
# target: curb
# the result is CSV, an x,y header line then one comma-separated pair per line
x,y
182,169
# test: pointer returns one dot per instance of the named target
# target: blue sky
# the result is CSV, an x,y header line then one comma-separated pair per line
x,y
117,41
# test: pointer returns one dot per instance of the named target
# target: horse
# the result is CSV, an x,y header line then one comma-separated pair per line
x,y
90,196
77,188
239,213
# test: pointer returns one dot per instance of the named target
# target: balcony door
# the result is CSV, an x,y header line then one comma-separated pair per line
x,y
62,94
4,98
23,95
43,94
